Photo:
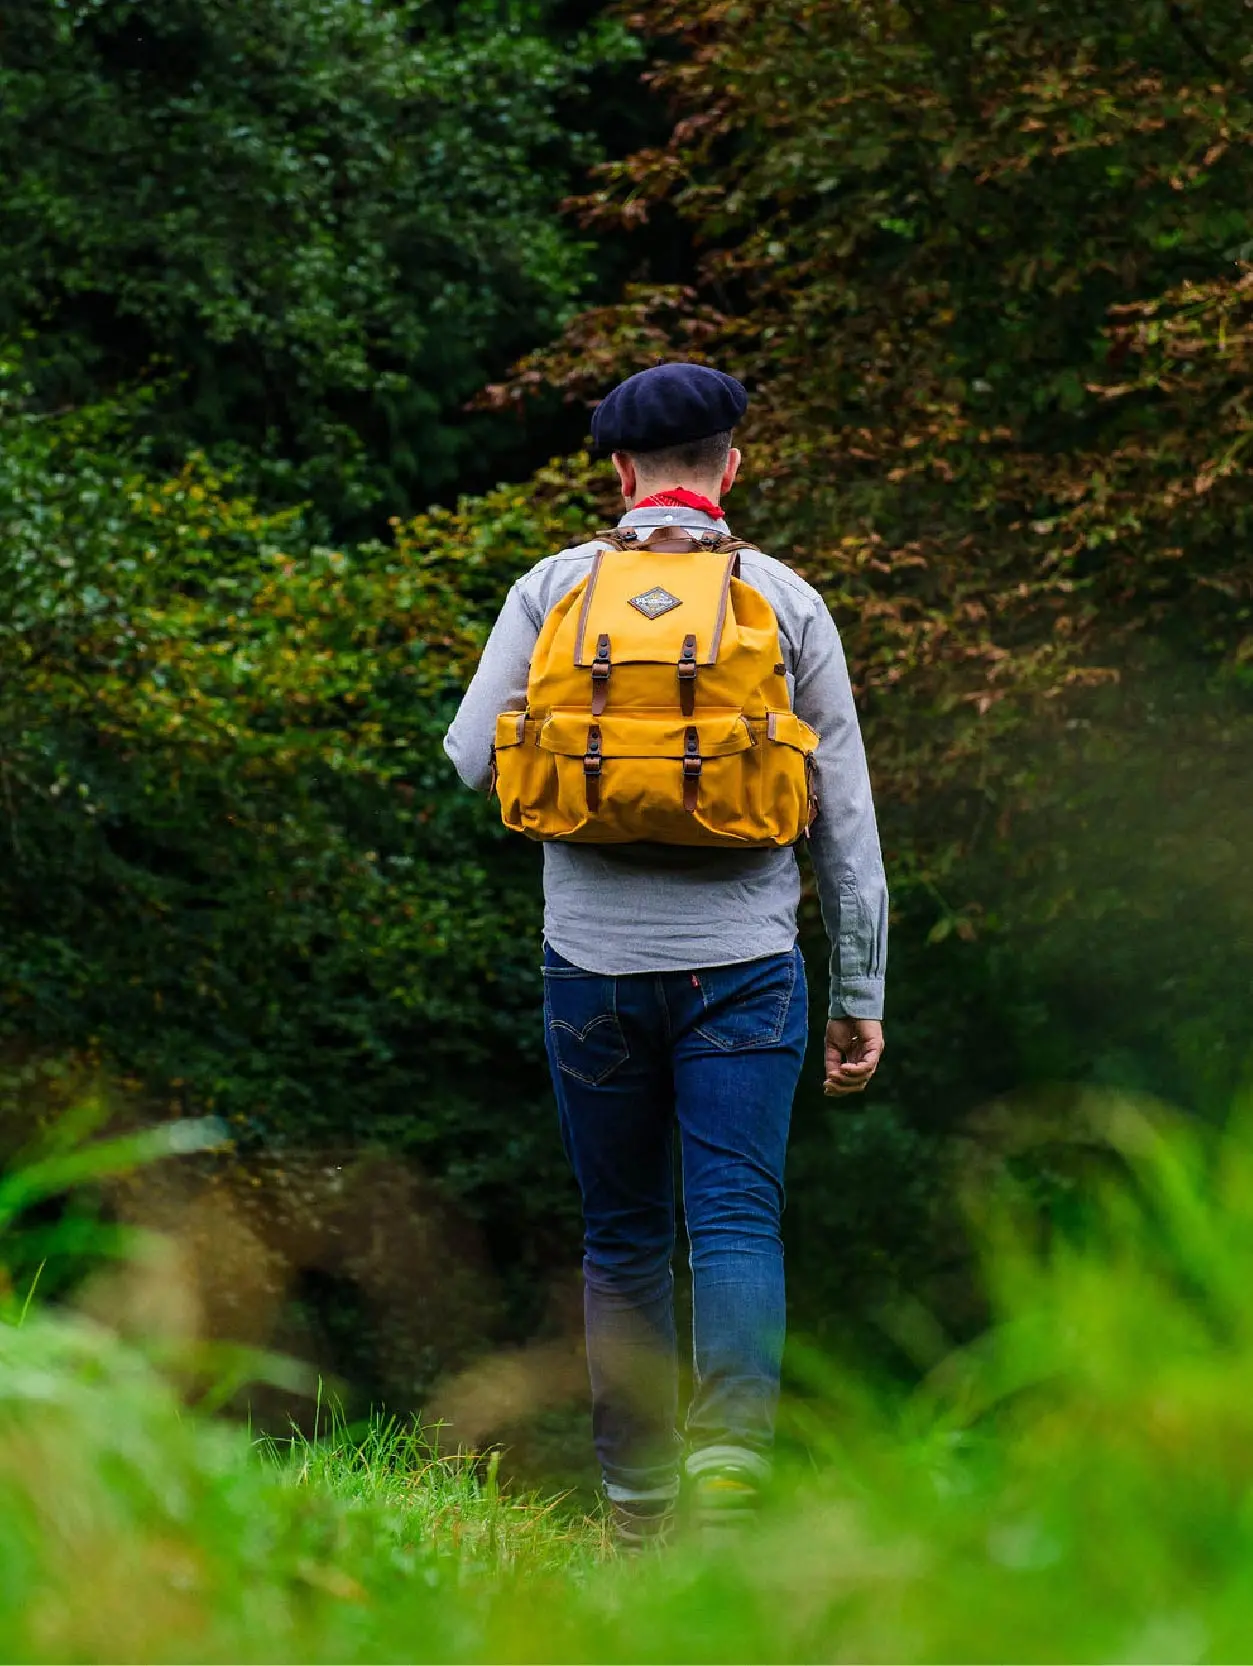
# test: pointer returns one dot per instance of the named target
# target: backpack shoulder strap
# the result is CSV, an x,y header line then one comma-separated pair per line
x,y
678,537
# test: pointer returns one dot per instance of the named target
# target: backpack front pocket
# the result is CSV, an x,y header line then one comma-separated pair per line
x,y
532,800
716,779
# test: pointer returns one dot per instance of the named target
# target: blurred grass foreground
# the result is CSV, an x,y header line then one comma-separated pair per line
x,y
1073,1486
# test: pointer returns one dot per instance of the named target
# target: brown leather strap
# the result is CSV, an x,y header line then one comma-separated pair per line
x,y
601,667
591,769
680,538
692,766
687,677
722,543
670,540
620,537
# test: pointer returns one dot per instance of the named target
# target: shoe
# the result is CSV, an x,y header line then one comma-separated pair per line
x,y
640,1524
725,1493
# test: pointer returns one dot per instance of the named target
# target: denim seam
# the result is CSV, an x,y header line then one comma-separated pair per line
x,y
610,1016
773,1036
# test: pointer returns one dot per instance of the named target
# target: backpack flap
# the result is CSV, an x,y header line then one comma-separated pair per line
x,y
648,604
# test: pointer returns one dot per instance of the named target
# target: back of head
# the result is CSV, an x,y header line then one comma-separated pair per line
x,y
671,424
668,408
699,462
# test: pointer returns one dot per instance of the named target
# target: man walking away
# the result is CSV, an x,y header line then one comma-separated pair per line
x,y
668,709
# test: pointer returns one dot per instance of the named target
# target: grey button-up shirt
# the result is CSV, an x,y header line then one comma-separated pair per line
x,y
615,909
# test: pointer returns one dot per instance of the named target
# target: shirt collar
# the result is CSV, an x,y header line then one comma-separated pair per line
x,y
663,516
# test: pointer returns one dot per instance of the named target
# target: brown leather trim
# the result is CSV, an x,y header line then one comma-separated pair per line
x,y
671,540
811,785
491,785
687,677
587,606
522,717
621,537
715,641
601,667
591,769
692,765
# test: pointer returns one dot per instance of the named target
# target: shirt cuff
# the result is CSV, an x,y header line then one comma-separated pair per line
x,y
857,998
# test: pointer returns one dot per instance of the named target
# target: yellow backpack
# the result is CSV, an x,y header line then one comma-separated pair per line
x,y
657,707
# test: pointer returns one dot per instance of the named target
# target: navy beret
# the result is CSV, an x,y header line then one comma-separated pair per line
x,y
671,404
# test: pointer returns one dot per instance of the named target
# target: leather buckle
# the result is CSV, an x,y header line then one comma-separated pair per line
x,y
692,762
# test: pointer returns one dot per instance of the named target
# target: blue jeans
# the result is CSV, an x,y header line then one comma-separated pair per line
x,y
717,1052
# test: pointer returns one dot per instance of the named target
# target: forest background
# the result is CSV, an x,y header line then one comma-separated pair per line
x,y
290,286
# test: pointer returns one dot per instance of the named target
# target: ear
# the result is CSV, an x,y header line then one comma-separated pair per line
x,y
734,459
626,475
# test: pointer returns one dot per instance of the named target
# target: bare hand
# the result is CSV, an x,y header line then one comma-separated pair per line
x,y
853,1050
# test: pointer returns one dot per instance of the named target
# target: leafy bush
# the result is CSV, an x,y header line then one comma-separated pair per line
x,y
240,867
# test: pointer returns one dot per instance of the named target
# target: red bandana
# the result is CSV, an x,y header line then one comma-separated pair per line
x,y
681,498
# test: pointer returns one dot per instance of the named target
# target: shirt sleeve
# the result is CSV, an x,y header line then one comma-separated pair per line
x,y
844,840
498,685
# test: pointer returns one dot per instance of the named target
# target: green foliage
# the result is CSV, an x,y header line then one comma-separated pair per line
x,y
329,220
134,1530
238,863
1071,1487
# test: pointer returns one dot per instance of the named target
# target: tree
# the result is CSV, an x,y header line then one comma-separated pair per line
x,y
981,266
324,221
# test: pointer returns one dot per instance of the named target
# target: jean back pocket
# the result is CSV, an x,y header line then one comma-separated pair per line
x,y
581,1017
747,1005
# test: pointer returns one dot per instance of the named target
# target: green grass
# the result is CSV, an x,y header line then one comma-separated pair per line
x,y
1076,1486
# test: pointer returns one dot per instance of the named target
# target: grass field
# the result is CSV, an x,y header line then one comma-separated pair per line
x,y
1077,1486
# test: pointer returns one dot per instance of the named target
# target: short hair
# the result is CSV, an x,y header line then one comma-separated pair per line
x,y
706,456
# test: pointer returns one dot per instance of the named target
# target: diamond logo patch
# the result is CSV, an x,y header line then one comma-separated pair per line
x,y
653,603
